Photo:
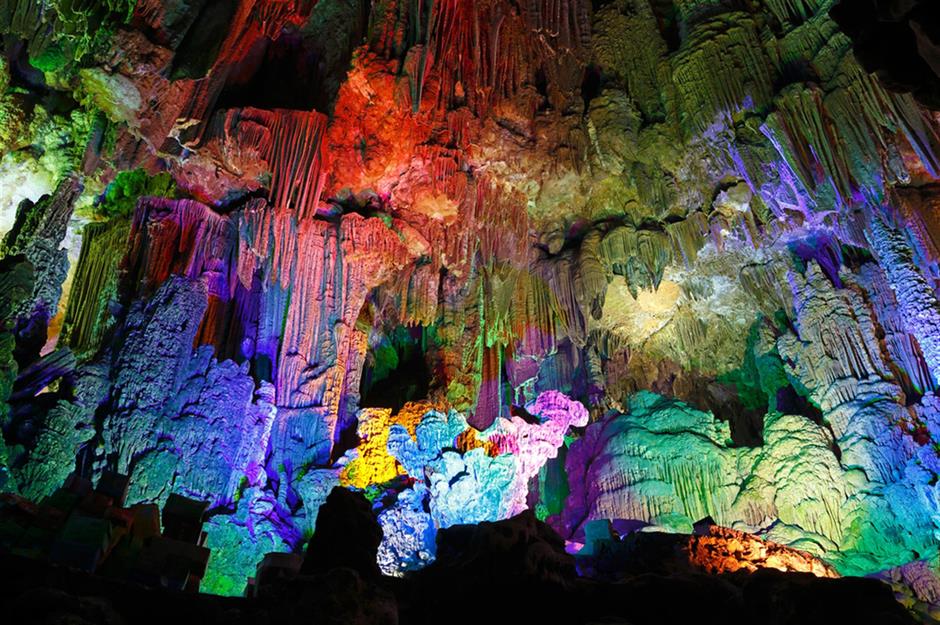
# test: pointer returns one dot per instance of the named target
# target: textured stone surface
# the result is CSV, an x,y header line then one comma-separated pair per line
x,y
461,476
408,535
639,261
670,466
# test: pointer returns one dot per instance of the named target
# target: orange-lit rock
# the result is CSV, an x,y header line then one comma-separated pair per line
x,y
723,550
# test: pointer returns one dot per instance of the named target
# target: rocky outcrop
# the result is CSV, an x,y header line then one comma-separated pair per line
x,y
805,486
16,285
610,555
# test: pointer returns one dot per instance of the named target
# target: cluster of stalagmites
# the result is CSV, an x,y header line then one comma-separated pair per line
x,y
708,200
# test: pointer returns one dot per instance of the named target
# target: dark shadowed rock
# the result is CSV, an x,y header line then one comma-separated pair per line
x,y
520,548
522,557
347,535
899,40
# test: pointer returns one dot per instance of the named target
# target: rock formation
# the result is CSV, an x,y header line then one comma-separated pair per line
x,y
637,261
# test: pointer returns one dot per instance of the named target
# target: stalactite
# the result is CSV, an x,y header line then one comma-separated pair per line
x,y
536,316
688,237
273,15
918,305
786,10
479,45
489,405
591,279
921,131
919,210
640,256
417,295
565,23
75,26
902,348
252,20
835,338
25,18
768,283
561,277
181,237
481,51
722,69
95,286
844,128
325,274
187,238
294,155
802,119
819,42
495,226
644,67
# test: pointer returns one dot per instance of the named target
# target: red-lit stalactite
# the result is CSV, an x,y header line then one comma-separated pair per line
x,y
296,161
328,270
180,237
919,208
442,171
393,32
334,272
319,276
481,45
252,20
187,238
480,51
494,227
290,142
489,398
273,15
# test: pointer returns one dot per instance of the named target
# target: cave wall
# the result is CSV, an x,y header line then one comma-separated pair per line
x,y
694,239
